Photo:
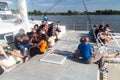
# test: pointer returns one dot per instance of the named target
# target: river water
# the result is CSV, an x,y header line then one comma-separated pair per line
x,y
80,22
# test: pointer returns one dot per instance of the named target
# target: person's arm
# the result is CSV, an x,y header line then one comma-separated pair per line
x,y
40,43
109,30
31,39
26,37
92,50
76,54
77,51
20,39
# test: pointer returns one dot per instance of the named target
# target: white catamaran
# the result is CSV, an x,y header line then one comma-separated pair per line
x,y
10,24
13,22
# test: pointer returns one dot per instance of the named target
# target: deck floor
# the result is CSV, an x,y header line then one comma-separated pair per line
x,y
71,69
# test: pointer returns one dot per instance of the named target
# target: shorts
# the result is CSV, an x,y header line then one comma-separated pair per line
x,y
95,57
98,57
8,49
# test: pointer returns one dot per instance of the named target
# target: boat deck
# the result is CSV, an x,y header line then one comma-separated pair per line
x,y
71,69
114,71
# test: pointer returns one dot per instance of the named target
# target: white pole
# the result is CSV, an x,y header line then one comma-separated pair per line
x,y
115,40
103,23
88,25
23,12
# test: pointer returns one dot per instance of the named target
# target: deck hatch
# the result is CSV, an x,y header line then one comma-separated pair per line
x,y
54,58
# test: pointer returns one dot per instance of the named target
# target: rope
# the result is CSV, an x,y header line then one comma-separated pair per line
x,y
32,5
53,5
86,9
115,40
16,7
88,16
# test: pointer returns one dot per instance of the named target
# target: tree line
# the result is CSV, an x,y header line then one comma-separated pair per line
x,y
105,12
70,12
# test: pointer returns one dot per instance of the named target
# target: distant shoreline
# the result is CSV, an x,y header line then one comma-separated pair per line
x,y
75,15
70,12
79,22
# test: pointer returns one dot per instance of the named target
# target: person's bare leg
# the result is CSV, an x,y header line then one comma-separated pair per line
x,y
15,53
111,55
2,64
56,34
3,52
108,39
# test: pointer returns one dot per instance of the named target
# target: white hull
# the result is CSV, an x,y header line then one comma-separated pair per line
x,y
7,27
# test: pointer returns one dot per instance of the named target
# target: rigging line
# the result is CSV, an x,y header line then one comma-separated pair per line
x,y
88,16
32,5
17,7
15,4
86,9
53,5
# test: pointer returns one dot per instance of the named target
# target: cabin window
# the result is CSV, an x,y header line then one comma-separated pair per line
x,y
3,6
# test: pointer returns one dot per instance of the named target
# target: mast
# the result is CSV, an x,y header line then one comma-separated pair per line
x,y
23,13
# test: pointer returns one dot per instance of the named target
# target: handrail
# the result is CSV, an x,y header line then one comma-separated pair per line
x,y
99,40
115,40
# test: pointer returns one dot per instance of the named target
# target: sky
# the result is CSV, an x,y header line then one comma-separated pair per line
x,y
65,5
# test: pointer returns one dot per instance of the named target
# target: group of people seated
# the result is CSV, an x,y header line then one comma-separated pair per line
x,y
101,33
86,52
43,37
40,39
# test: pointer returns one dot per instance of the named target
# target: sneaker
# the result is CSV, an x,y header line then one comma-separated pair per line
x,y
27,58
24,59
104,70
56,40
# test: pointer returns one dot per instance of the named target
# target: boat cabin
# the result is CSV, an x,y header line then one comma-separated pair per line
x,y
4,9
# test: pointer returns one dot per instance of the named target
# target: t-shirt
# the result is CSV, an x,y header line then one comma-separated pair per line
x,y
43,46
91,31
85,50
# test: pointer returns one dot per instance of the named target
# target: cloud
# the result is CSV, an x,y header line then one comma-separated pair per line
x,y
102,4
45,4
65,5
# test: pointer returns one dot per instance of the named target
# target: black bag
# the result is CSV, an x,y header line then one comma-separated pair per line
x,y
1,70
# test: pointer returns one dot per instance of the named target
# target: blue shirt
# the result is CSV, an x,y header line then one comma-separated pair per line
x,y
45,18
91,31
85,50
